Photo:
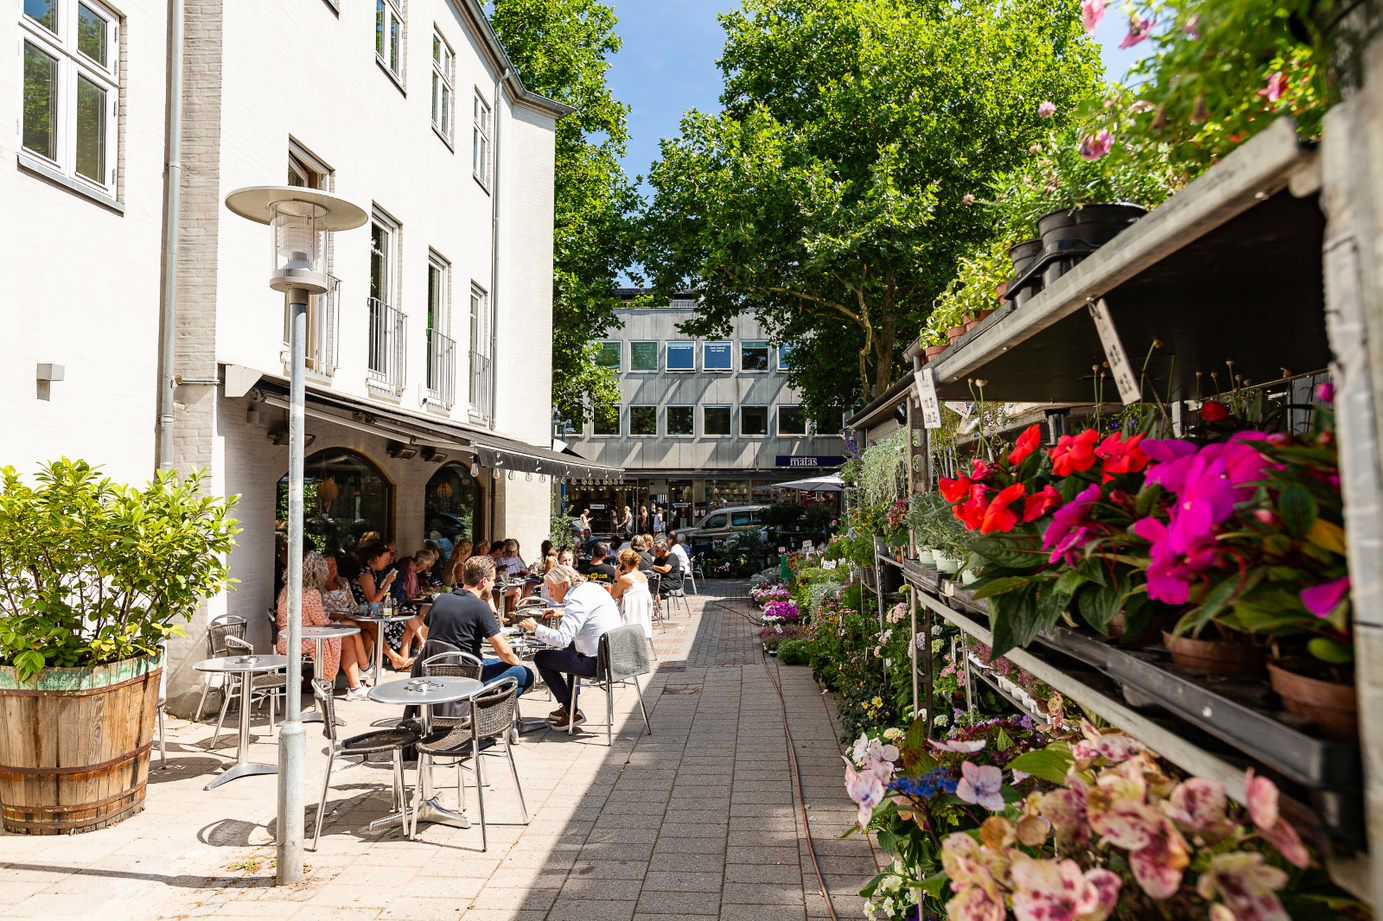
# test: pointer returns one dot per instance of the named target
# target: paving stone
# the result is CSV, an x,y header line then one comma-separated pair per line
x,y
566,909
679,903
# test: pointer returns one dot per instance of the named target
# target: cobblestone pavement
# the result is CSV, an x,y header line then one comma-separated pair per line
x,y
697,820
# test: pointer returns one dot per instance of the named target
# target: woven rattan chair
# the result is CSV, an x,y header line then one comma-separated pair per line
x,y
493,712
393,741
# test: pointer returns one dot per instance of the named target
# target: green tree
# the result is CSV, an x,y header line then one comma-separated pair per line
x,y
562,49
830,197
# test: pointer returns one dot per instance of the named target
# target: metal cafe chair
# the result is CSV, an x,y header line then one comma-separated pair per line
x,y
493,713
262,688
367,743
675,591
216,633
608,674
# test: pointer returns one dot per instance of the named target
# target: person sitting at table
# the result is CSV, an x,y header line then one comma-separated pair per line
x,y
643,546
588,615
679,550
565,557
466,617
372,586
351,654
630,589
451,572
667,565
539,563
599,570
415,578
510,562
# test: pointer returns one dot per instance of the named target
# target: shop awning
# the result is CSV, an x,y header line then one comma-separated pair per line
x,y
421,432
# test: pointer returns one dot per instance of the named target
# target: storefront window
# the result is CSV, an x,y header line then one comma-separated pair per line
x,y
344,497
452,503
720,493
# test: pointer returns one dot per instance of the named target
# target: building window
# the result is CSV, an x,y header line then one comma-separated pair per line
x,y
605,420
717,356
344,496
791,420
71,89
643,356
482,383
681,356
452,504
643,420
715,420
480,140
388,327
308,172
389,36
443,76
753,356
441,348
680,420
609,356
753,420
784,358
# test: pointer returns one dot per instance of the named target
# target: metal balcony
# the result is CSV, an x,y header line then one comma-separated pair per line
x,y
441,369
482,389
388,343
322,320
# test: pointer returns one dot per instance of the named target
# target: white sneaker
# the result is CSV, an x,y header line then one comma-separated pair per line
x,y
360,693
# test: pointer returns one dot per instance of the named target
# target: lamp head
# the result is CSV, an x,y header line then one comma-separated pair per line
x,y
300,219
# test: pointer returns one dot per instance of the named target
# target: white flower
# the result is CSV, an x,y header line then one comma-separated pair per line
x,y
893,733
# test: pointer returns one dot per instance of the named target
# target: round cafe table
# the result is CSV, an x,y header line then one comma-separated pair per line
x,y
424,693
244,668
379,620
319,636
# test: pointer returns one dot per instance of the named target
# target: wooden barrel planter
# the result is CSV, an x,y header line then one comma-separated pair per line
x,y
74,746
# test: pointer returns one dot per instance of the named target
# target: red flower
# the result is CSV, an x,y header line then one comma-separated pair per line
x,y
1040,503
981,470
1074,453
1214,411
971,513
1028,442
956,490
999,517
1122,456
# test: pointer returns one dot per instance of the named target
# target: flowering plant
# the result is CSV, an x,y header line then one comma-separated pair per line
x,y
767,594
781,612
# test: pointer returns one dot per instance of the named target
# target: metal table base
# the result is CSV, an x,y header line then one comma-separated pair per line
x,y
243,766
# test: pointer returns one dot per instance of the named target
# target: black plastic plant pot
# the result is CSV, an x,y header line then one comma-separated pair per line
x,y
1093,225
1024,255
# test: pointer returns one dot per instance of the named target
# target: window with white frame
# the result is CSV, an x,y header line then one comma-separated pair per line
x,y
390,36
753,356
308,172
784,358
680,420
754,420
605,420
681,356
482,118
443,77
71,89
643,356
717,356
643,420
482,324
385,354
441,350
609,355
791,420
715,420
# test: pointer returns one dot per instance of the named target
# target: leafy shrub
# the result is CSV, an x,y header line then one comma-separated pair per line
x,y
795,652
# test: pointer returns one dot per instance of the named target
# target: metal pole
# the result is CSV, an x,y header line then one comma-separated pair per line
x,y
291,740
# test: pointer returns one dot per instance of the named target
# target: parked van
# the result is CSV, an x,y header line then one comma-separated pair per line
x,y
726,522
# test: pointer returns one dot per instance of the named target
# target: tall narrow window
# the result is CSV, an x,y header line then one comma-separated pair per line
x,y
482,393
441,348
389,36
71,90
482,118
308,172
443,75
388,325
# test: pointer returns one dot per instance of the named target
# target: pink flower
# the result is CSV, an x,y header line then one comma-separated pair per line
x,y
1192,29
958,746
1138,31
865,790
1325,392
1065,809
1097,146
1260,796
1322,600
1113,747
1197,805
967,199
1065,532
1046,110
981,785
1247,885
1050,890
1091,12
1276,88
1158,866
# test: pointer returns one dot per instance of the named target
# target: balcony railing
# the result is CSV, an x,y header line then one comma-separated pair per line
x,y
321,329
388,343
441,369
482,390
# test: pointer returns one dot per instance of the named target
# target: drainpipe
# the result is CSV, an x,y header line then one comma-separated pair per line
x,y
494,289
172,191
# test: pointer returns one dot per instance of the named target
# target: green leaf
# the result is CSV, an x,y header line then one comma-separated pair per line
x,y
935,885
1331,650
1214,602
993,587
1297,508
1049,764
1098,606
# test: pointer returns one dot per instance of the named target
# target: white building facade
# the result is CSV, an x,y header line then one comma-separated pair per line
x,y
429,364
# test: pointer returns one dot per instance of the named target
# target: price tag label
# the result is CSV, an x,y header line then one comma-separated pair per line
x,y
960,408
1114,353
926,396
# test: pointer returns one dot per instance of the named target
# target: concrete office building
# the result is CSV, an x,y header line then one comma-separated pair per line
x,y
701,424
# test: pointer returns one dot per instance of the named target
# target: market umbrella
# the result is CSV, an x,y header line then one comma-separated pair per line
x,y
832,483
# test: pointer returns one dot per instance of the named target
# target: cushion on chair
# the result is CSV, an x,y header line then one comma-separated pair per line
x,y
382,740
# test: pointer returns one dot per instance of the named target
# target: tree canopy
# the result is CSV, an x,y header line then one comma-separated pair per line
x,y
562,48
831,196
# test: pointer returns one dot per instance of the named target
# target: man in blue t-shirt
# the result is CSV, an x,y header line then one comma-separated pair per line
x,y
465,618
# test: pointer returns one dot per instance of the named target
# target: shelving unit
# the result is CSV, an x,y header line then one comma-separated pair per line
x,y
1271,260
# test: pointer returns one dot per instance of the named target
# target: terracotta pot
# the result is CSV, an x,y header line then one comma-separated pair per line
x,y
955,332
933,351
971,324
1214,657
1334,708
984,315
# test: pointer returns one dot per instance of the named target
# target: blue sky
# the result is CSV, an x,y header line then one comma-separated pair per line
x,y
668,65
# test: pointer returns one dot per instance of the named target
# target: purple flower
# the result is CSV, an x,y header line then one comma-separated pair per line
x,y
1172,567
1170,458
1097,146
981,786
1322,600
1138,31
1068,520
1325,392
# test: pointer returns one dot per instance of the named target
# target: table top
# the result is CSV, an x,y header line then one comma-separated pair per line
x,y
432,690
255,663
382,618
328,632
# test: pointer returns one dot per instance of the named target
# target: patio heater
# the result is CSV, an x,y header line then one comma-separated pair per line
x,y
300,219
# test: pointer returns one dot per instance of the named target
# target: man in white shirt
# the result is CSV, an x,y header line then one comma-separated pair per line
x,y
588,615
679,551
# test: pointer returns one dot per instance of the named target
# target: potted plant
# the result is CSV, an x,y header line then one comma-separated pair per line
x,y
94,576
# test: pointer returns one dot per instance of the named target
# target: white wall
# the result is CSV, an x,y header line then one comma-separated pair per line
x,y
79,282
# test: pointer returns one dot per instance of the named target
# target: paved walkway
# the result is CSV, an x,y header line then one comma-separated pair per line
x,y
698,820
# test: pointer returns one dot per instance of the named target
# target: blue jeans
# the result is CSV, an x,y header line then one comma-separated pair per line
x,y
496,670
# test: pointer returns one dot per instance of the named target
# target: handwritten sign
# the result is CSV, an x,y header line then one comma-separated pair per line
x,y
1114,353
926,396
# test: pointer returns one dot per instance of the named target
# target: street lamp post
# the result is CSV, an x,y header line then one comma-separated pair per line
x,y
300,219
